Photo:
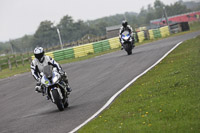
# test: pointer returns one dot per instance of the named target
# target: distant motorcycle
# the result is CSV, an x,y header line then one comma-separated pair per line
x,y
53,86
126,40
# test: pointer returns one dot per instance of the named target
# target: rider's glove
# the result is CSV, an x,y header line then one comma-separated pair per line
x,y
38,88
39,81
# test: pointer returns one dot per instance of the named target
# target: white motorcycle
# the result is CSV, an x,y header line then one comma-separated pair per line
x,y
127,41
54,87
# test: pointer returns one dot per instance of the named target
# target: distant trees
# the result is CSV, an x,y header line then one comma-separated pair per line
x,y
176,8
158,8
70,30
45,35
66,27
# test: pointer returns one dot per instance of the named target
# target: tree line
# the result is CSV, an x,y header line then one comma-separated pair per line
x,y
70,30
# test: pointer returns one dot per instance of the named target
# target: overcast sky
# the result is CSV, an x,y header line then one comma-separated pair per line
x,y
20,17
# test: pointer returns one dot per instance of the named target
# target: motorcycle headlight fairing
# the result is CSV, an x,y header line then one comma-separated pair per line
x,y
56,78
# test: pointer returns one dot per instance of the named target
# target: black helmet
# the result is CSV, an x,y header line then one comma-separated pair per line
x,y
39,53
124,23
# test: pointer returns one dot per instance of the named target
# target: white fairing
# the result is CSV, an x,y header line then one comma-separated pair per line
x,y
125,37
55,78
47,83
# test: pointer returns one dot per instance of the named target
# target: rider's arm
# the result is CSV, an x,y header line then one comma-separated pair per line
x,y
130,28
120,32
35,71
131,32
54,63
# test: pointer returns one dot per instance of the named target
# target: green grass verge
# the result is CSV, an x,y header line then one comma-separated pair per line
x,y
20,69
166,99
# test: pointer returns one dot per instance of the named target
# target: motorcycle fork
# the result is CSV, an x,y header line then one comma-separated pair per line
x,y
59,92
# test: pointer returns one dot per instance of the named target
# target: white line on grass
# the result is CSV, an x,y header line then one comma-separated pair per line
x,y
120,91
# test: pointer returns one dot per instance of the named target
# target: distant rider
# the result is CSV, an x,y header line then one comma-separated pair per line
x,y
126,27
41,60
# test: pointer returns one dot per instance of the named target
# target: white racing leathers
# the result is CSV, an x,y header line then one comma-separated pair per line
x,y
37,67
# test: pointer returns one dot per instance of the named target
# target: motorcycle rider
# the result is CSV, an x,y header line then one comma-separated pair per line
x,y
39,62
125,27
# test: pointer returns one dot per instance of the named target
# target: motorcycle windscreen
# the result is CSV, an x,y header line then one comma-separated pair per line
x,y
48,71
125,33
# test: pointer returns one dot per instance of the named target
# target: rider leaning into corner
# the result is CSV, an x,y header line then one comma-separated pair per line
x,y
41,60
126,27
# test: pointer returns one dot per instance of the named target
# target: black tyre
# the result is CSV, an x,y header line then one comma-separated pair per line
x,y
129,49
58,100
129,52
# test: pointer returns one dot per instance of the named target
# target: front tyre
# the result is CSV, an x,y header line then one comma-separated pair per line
x,y
129,52
129,49
58,100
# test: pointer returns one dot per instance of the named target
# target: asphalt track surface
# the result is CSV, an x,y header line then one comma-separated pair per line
x,y
93,82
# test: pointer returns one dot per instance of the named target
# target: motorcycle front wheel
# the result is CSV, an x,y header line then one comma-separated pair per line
x,y
129,48
58,100
129,52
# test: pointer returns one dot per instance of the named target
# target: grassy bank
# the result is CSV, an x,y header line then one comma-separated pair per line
x,y
166,99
